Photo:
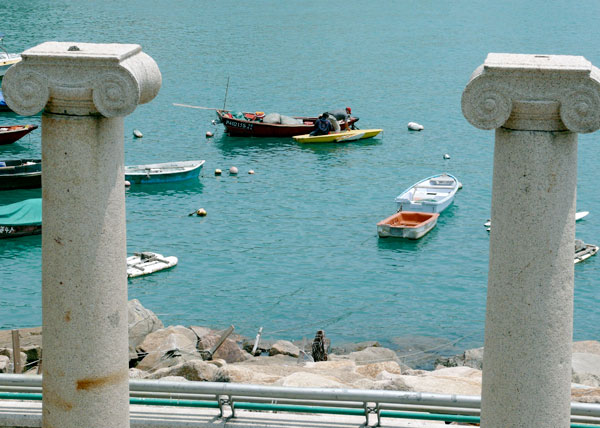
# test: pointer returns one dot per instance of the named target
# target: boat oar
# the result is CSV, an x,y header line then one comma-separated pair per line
x,y
199,107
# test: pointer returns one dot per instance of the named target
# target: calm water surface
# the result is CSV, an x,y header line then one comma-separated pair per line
x,y
294,247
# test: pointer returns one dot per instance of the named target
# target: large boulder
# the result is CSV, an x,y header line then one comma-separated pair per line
x,y
587,346
163,347
451,380
373,370
195,370
585,369
373,354
8,352
309,379
158,360
4,364
141,322
284,347
228,351
167,339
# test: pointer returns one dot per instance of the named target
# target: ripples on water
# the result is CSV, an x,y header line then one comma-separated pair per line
x,y
294,247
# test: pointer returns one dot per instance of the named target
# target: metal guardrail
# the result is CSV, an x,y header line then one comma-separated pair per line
x,y
229,396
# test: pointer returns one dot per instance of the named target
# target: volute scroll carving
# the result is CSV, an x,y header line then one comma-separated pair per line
x,y
486,104
580,109
28,92
115,94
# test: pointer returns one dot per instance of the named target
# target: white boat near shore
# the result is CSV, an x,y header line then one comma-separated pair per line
x,y
584,251
146,262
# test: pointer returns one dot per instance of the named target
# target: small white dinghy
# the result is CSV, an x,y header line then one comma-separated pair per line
x,y
145,263
433,194
584,251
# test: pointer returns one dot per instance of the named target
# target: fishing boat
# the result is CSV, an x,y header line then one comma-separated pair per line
x,y
407,224
146,262
244,124
21,218
20,174
163,172
433,194
584,251
338,137
10,134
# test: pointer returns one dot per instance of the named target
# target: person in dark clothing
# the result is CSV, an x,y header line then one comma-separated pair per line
x,y
319,347
343,115
322,126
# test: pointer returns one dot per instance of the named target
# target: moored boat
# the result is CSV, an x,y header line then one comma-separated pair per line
x,y
20,174
338,137
163,172
433,194
6,59
584,251
10,134
146,262
244,124
3,105
407,224
21,218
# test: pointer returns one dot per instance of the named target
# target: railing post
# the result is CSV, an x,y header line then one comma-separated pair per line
x,y
537,104
84,90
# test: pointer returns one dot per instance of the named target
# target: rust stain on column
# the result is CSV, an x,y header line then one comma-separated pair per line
x,y
89,383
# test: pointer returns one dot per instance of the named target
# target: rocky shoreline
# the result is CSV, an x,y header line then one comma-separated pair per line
x,y
184,354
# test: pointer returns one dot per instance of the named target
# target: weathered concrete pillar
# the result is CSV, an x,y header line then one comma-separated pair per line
x,y
537,104
85,91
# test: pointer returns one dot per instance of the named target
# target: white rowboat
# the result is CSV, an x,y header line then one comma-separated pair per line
x,y
433,194
163,172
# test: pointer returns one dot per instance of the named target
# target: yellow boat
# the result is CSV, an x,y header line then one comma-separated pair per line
x,y
338,137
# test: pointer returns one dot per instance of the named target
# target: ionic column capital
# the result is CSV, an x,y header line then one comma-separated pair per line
x,y
534,92
81,79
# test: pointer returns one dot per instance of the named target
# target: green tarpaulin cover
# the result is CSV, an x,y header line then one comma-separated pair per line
x,y
24,213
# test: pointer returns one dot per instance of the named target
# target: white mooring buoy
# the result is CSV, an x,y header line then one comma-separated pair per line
x,y
414,126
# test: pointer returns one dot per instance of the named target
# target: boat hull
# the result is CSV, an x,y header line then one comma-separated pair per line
x,y
338,137
163,173
18,231
428,195
585,253
10,134
408,225
146,263
21,174
252,128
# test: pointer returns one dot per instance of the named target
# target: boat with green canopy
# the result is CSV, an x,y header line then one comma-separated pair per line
x,y
21,218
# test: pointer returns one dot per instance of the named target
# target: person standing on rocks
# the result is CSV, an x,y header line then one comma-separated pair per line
x,y
319,350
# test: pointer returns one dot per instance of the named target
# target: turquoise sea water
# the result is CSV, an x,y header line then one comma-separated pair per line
x,y
294,247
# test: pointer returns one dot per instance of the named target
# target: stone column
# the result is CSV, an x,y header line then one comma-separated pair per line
x,y
84,90
537,104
